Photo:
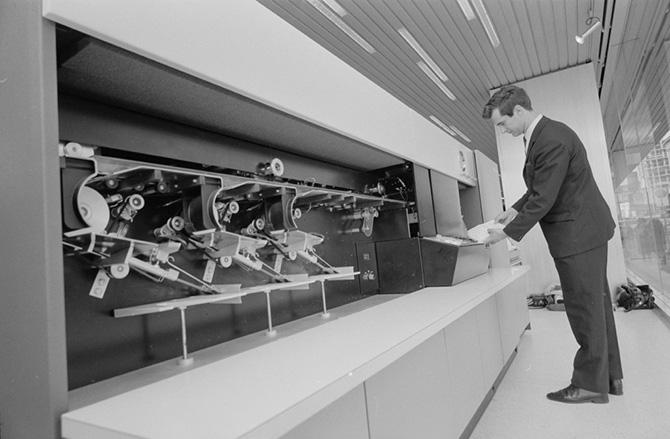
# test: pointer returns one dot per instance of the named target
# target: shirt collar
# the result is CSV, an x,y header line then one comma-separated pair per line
x,y
531,128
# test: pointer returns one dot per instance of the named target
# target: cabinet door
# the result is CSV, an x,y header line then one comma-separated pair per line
x,y
465,369
413,397
489,340
513,315
344,418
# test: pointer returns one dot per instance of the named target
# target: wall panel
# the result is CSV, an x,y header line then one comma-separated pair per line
x,y
569,96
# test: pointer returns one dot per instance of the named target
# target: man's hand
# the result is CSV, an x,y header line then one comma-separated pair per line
x,y
495,236
506,217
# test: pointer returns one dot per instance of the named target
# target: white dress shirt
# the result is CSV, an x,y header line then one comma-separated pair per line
x,y
529,131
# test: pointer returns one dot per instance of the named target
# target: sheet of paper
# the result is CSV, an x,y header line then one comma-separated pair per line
x,y
480,232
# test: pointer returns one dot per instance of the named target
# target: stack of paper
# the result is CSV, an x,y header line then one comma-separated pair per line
x,y
481,232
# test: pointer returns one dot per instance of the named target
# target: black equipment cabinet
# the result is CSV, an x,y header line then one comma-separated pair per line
x,y
366,257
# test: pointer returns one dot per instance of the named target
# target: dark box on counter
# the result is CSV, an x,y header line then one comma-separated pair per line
x,y
409,264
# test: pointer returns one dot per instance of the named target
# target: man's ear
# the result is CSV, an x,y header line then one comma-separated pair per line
x,y
518,109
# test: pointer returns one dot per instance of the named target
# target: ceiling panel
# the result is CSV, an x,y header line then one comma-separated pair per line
x,y
537,37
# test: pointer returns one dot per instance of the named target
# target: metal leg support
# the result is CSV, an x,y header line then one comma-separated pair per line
x,y
185,360
271,331
325,313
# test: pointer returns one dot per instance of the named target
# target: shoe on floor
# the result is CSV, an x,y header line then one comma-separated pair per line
x,y
574,395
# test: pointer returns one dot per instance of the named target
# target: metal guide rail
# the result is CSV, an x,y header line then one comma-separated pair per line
x,y
225,220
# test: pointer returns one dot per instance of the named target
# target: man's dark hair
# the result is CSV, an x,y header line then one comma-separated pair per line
x,y
505,100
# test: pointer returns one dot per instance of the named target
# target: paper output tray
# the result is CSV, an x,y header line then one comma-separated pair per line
x,y
407,265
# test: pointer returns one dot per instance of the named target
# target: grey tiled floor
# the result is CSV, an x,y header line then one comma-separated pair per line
x,y
520,410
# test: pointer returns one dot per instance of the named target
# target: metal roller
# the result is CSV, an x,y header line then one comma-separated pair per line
x,y
170,228
274,167
93,208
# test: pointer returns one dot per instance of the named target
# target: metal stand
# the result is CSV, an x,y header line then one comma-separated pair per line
x,y
325,314
271,331
185,360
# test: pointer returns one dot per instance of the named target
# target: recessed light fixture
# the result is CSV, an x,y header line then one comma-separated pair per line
x,y
436,80
422,53
441,124
457,131
337,21
486,22
467,10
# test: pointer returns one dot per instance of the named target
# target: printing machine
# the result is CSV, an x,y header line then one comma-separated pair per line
x,y
176,238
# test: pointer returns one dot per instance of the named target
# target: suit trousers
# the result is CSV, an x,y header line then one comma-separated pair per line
x,y
588,305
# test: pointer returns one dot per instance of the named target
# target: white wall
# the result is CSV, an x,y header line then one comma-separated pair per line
x,y
244,47
569,96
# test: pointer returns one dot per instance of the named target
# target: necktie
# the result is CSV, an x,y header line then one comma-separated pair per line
x,y
525,145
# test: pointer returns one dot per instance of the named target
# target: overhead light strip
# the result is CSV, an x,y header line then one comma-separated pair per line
x,y
436,80
335,6
422,53
441,124
467,10
486,22
344,27
457,131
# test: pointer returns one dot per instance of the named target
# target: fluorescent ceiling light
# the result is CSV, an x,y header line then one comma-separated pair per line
x,y
467,10
436,80
335,6
486,22
422,53
344,27
441,124
463,136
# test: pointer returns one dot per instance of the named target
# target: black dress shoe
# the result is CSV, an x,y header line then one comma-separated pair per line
x,y
574,395
616,387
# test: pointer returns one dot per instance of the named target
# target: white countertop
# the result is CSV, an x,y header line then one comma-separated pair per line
x,y
267,390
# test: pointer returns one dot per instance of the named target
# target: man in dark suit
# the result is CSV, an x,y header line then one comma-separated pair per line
x,y
576,222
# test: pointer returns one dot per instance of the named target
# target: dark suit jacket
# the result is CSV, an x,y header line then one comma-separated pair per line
x,y
562,194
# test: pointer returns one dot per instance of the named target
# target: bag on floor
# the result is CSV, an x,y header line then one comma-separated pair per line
x,y
539,300
632,297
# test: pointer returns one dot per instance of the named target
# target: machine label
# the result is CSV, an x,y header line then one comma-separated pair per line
x,y
99,284
209,271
